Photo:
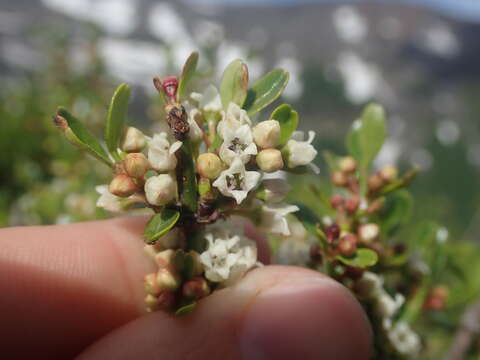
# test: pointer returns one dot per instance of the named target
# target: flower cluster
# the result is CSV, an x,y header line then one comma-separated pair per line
x,y
211,161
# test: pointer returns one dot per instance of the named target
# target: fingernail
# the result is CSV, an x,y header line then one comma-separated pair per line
x,y
305,318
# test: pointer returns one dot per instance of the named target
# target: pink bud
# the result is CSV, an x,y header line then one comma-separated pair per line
x,y
170,85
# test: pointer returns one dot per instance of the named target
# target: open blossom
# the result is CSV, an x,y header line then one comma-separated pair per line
x,y
275,189
236,182
209,100
232,119
237,143
228,256
403,338
107,200
387,306
274,218
161,154
295,248
300,152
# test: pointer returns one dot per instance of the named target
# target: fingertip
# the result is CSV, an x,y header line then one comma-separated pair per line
x,y
308,316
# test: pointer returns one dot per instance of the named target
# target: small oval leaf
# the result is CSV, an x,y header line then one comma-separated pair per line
x,y
367,135
266,90
81,137
159,224
288,119
187,74
116,118
234,84
362,258
185,310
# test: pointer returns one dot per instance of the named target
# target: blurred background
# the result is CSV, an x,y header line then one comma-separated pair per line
x,y
418,58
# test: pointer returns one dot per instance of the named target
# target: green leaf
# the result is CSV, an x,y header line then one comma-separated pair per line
x,y
234,84
367,135
396,211
362,258
78,135
187,74
266,90
185,310
288,119
160,224
117,118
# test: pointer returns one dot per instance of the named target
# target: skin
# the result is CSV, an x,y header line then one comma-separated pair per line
x,y
75,291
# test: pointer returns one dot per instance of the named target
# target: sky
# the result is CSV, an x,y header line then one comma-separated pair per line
x,y
466,9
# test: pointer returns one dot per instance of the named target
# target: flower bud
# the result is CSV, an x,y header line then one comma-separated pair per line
x,y
151,285
134,140
337,202
375,182
151,303
167,280
164,258
196,288
332,233
389,173
352,204
266,134
347,164
161,189
368,233
122,185
164,301
136,165
209,165
348,244
269,160
339,179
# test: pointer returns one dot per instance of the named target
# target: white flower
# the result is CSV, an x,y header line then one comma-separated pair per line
x,y
237,142
232,119
227,257
275,189
386,306
300,152
161,154
294,249
274,218
267,134
161,189
210,99
107,200
195,133
370,285
404,339
236,182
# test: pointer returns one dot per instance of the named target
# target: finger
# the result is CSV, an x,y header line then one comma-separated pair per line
x,y
62,287
273,313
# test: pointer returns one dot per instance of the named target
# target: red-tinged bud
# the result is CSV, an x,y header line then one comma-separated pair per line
x,y
339,179
167,280
332,232
196,288
170,85
437,298
348,244
337,202
122,185
352,204
60,122
164,301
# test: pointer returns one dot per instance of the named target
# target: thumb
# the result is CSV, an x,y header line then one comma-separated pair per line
x,y
275,312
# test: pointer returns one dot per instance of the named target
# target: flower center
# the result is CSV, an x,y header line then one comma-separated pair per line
x,y
235,182
236,145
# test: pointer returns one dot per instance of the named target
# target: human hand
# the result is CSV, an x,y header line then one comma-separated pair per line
x,y
76,290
